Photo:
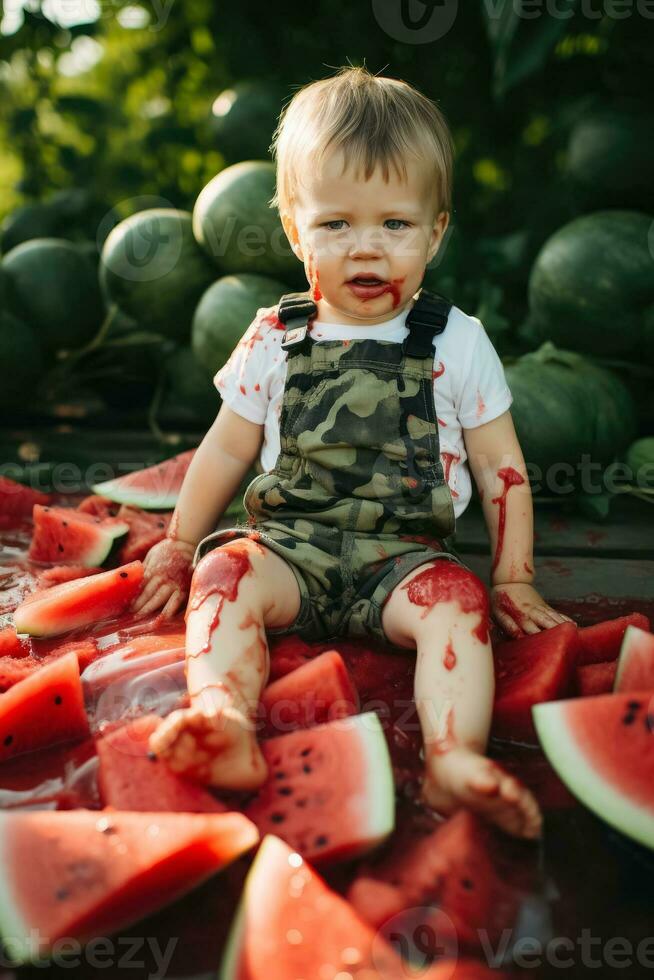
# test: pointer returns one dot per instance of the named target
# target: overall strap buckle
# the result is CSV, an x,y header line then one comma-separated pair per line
x,y
295,311
425,320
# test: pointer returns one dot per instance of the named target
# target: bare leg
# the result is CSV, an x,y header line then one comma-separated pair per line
x,y
237,590
441,609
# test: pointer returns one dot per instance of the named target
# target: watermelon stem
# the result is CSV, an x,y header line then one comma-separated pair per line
x,y
71,356
167,438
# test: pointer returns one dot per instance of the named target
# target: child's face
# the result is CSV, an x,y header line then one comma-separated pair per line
x,y
341,228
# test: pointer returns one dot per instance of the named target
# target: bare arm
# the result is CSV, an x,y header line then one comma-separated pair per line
x,y
498,468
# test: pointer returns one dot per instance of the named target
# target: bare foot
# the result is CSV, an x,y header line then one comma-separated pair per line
x,y
461,777
217,748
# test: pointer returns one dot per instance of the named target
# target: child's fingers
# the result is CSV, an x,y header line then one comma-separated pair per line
x,y
151,586
509,625
543,616
173,604
157,600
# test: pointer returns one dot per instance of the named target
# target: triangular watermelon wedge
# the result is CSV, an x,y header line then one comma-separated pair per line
x,y
603,749
636,664
154,488
291,925
85,873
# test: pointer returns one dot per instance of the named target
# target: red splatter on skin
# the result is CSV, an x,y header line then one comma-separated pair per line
x,y
220,572
508,606
449,460
443,742
313,277
449,658
511,478
527,569
440,370
447,581
481,407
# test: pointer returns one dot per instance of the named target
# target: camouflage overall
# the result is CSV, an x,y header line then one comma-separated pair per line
x,y
357,498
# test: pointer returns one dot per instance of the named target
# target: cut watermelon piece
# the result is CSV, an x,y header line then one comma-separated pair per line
x,y
154,488
98,506
603,750
635,668
602,642
145,530
63,534
329,792
83,873
62,573
12,645
133,778
319,691
596,678
71,604
44,709
290,925
528,670
17,501
451,870
287,653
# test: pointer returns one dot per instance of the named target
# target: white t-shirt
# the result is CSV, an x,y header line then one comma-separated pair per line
x,y
469,383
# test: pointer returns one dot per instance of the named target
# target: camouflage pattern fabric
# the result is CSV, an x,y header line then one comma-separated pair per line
x,y
357,498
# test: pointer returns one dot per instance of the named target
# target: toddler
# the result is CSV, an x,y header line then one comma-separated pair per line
x,y
370,402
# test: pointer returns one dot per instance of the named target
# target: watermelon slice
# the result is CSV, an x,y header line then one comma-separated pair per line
x,y
530,669
154,488
596,678
17,501
319,691
145,530
62,573
599,643
133,778
287,653
290,925
452,870
635,668
63,534
71,604
603,750
329,792
45,708
98,506
83,873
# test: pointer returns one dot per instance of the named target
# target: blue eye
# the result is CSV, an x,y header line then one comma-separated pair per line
x,y
398,221
339,221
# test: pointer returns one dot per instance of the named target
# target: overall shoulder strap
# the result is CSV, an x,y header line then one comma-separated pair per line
x,y
426,319
295,311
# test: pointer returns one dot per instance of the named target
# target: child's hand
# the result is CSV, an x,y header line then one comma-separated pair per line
x,y
519,609
167,577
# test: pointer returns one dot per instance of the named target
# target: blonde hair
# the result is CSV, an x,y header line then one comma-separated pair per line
x,y
373,120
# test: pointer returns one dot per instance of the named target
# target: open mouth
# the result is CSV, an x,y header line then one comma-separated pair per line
x,y
367,281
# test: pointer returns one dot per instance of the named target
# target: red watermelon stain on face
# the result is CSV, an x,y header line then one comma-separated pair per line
x,y
221,573
511,478
449,659
313,277
447,581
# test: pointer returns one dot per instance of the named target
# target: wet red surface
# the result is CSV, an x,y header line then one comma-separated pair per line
x,y
589,885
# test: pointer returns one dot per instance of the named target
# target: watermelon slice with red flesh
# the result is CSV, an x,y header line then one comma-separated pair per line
x,y
596,678
63,534
133,778
82,873
601,642
603,750
528,670
35,654
62,573
17,501
319,691
154,488
44,708
98,506
145,530
81,602
329,792
287,653
635,668
290,925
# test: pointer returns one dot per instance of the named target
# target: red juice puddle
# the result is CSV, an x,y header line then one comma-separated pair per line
x,y
447,581
511,478
449,659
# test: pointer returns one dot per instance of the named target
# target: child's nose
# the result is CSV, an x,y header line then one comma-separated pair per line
x,y
367,243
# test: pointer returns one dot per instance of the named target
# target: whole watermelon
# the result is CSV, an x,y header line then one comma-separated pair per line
x,y
225,312
53,285
152,268
234,224
189,394
610,158
243,120
591,283
640,460
21,359
565,408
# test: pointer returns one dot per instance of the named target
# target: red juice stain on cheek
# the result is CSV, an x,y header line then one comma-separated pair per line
x,y
394,287
511,478
447,581
314,278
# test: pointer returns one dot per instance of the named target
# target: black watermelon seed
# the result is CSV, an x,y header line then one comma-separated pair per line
x,y
649,723
285,791
152,756
160,524
60,547
633,705
280,775
277,817
321,841
9,739
97,520
61,894
46,509
123,575
628,719
467,884
305,751
58,699
65,523
306,768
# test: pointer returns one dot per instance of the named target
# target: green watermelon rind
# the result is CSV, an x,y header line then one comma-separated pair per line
x,y
14,927
107,536
380,788
633,636
583,779
134,497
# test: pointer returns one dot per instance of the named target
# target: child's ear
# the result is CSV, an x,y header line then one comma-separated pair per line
x,y
437,233
291,232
